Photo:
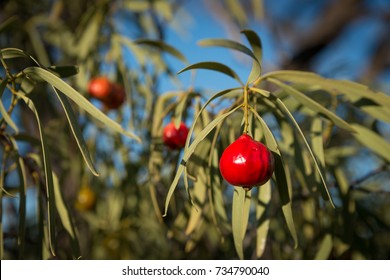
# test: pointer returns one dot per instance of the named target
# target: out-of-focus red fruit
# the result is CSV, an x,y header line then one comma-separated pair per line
x,y
116,98
100,88
175,138
246,163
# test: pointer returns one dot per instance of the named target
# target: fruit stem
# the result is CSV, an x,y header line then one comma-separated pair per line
x,y
246,111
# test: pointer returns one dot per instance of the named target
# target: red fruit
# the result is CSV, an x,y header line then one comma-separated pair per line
x,y
116,98
246,163
175,138
99,88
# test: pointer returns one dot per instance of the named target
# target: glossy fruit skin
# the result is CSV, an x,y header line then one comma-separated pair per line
x,y
85,199
246,163
99,88
175,138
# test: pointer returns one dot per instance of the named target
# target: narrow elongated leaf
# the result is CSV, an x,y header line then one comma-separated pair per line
x,y
70,115
317,140
317,166
312,104
229,44
325,248
255,42
352,91
162,46
80,100
373,141
3,111
10,53
48,174
257,48
188,152
65,217
218,94
215,66
240,216
199,195
263,199
282,177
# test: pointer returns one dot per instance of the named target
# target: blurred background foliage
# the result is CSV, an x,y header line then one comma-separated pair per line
x,y
142,45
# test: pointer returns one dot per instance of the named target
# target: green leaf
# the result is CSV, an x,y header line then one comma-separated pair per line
x,y
48,174
256,68
199,195
325,248
64,71
70,115
190,150
324,188
3,111
257,48
218,94
162,46
354,92
10,53
80,100
263,200
372,140
317,141
230,44
312,104
240,216
215,66
282,177
65,217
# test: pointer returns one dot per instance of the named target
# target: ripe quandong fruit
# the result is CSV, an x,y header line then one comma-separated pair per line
x,y
112,95
246,163
175,138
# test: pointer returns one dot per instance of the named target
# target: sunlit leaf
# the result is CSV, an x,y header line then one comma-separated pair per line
x,y
76,131
324,187
229,44
282,177
79,99
240,216
314,105
372,140
215,66
255,42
